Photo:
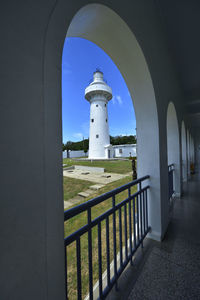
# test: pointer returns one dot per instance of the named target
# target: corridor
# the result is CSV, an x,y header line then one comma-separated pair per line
x,y
171,269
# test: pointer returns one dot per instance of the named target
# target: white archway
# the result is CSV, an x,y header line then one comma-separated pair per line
x,y
173,145
184,152
105,28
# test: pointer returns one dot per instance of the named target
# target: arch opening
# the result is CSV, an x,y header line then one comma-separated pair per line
x,y
173,145
113,119
102,26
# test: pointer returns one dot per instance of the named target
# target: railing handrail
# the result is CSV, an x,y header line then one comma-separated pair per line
x,y
131,213
72,237
72,212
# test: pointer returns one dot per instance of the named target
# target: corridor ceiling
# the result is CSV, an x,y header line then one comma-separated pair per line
x,y
181,21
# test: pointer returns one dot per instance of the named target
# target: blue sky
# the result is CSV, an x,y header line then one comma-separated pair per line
x,y
80,59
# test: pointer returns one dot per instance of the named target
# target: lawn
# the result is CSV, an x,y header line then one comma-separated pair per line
x,y
71,187
115,166
79,221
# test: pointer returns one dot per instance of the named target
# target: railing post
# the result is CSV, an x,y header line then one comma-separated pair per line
x,y
108,251
65,255
130,226
90,255
78,257
114,240
139,199
140,203
100,259
170,181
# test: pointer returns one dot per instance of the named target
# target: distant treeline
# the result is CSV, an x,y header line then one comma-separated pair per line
x,y
121,140
114,140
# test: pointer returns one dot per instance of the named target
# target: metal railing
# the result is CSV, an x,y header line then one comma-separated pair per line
x,y
125,225
170,181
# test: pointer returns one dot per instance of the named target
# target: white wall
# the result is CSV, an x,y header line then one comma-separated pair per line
x,y
78,153
126,150
75,153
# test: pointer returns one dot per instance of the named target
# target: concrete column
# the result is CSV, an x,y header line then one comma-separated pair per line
x,y
31,206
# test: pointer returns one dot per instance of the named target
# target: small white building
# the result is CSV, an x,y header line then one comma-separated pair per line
x,y
74,153
109,151
125,150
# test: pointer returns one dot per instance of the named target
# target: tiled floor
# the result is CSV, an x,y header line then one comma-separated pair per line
x,y
171,269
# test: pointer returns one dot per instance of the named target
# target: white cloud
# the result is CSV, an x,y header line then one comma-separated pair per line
x,y
78,135
117,100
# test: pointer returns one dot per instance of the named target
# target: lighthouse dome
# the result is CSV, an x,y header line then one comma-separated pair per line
x,y
98,86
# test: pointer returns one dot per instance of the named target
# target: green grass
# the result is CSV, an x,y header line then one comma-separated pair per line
x,y
73,224
71,187
115,166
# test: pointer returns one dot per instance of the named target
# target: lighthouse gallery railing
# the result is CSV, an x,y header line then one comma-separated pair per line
x,y
123,227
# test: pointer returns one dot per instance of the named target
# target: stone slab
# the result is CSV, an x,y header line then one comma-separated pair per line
x,y
89,191
96,186
73,201
90,169
94,177
83,194
86,193
68,168
67,204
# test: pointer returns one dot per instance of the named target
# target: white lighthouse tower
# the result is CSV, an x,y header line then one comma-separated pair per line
x,y
98,93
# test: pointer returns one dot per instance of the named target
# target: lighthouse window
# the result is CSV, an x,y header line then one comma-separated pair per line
x,y
92,120
97,105
105,105
106,120
97,136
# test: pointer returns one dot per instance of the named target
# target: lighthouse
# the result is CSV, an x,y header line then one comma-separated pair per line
x,y
98,93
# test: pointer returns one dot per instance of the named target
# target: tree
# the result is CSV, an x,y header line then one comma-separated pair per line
x,y
121,140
